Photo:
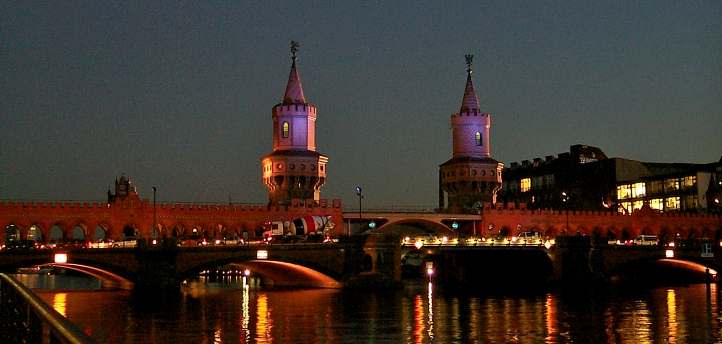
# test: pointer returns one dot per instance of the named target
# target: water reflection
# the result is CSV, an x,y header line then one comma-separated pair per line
x,y
227,312
60,301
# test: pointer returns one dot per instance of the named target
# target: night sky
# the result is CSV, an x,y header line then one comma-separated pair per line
x,y
178,95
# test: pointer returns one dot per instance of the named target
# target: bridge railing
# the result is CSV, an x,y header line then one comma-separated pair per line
x,y
25,318
392,209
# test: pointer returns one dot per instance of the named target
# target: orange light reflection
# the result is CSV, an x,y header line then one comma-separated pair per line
x,y
418,320
60,301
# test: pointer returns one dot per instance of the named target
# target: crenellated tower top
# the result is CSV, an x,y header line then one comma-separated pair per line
x,y
471,176
294,169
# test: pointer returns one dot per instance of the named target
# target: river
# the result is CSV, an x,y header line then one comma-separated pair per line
x,y
224,311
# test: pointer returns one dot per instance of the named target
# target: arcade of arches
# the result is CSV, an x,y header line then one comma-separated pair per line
x,y
130,217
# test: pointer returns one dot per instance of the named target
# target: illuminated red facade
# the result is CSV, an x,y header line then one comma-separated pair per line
x,y
127,215
294,169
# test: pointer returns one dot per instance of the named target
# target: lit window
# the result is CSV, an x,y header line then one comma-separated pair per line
x,y
626,206
285,129
477,136
636,205
525,184
671,203
689,181
656,203
624,191
638,190
671,184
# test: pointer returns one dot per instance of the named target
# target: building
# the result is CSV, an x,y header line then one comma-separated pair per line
x,y
585,178
294,170
471,177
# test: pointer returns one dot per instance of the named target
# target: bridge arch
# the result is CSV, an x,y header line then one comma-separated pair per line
x,y
130,230
101,232
57,233
79,232
281,271
275,273
685,269
35,233
12,232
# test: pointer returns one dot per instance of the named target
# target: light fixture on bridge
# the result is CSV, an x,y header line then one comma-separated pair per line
x,y
61,258
669,253
372,224
455,225
419,244
261,254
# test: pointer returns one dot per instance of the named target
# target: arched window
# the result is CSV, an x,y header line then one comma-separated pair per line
x,y
477,136
285,129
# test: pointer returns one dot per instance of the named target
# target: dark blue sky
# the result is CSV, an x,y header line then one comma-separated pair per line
x,y
179,94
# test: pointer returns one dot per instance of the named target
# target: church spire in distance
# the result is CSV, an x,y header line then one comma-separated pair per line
x,y
294,90
470,103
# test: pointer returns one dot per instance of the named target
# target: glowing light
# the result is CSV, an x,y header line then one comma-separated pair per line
x,y
60,301
155,242
372,224
406,240
419,244
261,254
548,244
445,240
430,268
61,258
669,253
246,272
455,225
671,244
218,241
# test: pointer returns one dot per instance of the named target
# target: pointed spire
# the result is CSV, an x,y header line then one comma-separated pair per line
x,y
470,101
294,90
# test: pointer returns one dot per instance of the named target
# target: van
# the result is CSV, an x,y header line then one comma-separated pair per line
x,y
646,240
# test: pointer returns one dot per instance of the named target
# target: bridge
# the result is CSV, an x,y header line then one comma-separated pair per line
x,y
570,260
320,265
508,221
375,261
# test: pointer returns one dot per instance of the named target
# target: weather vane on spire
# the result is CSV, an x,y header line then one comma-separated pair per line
x,y
469,59
294,49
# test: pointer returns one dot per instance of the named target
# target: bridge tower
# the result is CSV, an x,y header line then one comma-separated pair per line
x,y
294,169
471,176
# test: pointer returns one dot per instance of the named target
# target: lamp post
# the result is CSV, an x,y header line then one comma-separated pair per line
x,y
155,226
360,197
565,198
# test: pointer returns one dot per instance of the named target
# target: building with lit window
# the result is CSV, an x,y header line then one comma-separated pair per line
x,y
471,177
585,178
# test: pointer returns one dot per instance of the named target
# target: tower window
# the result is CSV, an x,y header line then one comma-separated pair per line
x,y
285,129
477,136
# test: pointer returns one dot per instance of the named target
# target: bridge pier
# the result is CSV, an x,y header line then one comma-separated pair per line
x,y
156,270
380,265
572,259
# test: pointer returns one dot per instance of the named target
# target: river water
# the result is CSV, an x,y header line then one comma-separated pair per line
x,y
224,311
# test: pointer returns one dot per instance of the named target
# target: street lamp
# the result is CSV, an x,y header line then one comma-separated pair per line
x,y
360,197
565,198
155,226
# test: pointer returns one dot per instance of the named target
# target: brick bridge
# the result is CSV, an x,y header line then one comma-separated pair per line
x,y
573,259
374,260
510,221
324,265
